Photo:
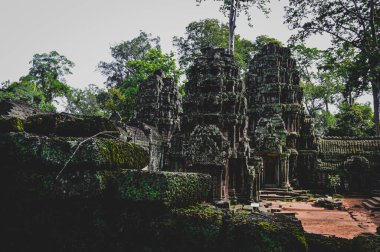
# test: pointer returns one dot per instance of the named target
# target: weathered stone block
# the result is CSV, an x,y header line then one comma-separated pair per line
x,y
52,153
11,124
67,125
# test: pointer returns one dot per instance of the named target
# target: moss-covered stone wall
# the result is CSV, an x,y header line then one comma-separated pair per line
x,y
23,149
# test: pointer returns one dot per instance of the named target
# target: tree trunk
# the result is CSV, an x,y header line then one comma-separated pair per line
x,y
232,26
376,104
374,64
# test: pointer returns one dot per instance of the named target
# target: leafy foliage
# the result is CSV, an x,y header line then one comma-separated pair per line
x,y
354,25
212,33
134,61
321,83
85,101
43,84
353,120
48,71
334,181
243,6
118,71
114,100
234,9
25,91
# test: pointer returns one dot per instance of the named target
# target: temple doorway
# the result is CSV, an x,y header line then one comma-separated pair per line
x,y
271,165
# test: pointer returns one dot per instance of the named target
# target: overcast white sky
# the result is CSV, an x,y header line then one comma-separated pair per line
x,y
83,30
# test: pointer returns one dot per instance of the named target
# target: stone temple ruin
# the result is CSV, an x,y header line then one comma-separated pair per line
x,y
80,183
251,133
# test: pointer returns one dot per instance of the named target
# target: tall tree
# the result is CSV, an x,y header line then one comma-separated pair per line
x,y
234,8
48,71
353,120
133,61
212,33
85,101
117,71
25,91
351,24
320,79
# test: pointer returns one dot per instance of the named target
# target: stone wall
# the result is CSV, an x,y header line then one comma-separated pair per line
x,y
213,137
275,114
159,104
157,114
355,160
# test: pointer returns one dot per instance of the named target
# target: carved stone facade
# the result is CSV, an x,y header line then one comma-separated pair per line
x,y
213,137
275,113
159,104
246,138
355,160
157,114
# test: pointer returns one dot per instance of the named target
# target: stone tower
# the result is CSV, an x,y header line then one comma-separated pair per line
x,y
159,104
275,113
157,113
213,137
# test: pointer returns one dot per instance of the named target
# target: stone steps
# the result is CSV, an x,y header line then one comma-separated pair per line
x,y
375,192
372,204
275,197
281,194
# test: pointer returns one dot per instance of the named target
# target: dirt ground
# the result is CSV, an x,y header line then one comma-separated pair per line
x,y
346,224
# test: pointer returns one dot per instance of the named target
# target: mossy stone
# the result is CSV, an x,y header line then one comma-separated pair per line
x,y
11,124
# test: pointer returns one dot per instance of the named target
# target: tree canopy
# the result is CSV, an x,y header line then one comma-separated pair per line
x,y
353,120
353,26
213,33
117,71
234,8
44,82
48,71
134,61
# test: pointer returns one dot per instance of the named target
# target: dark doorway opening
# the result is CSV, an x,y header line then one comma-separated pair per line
x,y
271,171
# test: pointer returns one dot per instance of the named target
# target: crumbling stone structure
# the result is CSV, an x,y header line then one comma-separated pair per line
x,y
157,117
355,160
159,104
213,137
251,138
275,113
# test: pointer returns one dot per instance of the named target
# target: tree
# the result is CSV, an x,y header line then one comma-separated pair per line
x,y
351,24
212,33
321,82
334,181
25,91
48,71
113,100
153,60
85,101
234,8
117,71
353,120
134,69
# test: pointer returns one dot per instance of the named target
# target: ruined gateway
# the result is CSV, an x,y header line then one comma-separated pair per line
x,y
248,133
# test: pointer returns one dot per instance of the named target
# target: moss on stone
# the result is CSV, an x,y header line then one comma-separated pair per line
x,y
114,154
22,149
11,124
197,228
67,125
366,242
172,188
257,232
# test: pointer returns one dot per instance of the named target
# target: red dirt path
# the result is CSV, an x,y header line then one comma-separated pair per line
x,y
346,224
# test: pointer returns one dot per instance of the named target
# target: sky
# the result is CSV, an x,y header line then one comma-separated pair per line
x,y
84,30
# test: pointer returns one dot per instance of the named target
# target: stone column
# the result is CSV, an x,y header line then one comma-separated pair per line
x,y
284,164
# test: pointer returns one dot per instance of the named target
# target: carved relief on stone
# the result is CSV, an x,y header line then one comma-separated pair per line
x,y
208,146
270,134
